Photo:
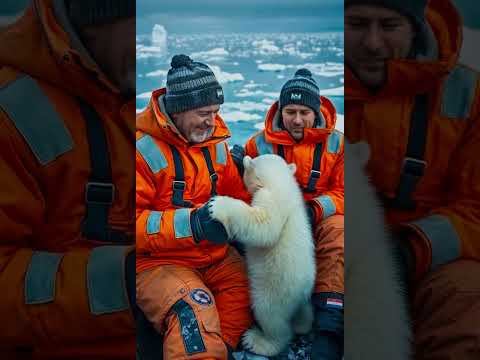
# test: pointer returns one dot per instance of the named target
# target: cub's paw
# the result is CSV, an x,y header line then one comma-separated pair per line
x,y
254,340
219,207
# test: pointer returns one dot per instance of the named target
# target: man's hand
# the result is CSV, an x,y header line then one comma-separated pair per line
x,y
206,228
238,153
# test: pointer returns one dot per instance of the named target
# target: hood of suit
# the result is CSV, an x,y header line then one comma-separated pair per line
x,y
275,134
156,122
42,44
415,76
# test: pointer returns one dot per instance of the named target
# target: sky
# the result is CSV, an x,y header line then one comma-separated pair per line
x,y
270,14
210,16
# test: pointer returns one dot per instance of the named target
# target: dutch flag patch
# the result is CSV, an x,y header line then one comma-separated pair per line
x,y
335,303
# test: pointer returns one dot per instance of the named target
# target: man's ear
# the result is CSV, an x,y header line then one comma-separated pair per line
x,y
292,167
247,162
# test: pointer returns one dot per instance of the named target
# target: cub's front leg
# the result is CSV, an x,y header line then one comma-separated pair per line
x,y
249,225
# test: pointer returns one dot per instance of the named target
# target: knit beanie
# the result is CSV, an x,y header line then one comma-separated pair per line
x,y
191,85
414,9
97,12
302,89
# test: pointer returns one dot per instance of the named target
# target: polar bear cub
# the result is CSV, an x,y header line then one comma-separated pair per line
x,y
376,319
279,251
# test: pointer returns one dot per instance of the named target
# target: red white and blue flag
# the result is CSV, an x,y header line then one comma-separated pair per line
x,y
337,303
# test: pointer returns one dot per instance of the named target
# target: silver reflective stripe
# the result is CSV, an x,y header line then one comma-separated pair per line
x,y
327,204
459,93
153,222
263,147
443,238
334,142
106,280
151,153
40,277
181,223
36,119
221,154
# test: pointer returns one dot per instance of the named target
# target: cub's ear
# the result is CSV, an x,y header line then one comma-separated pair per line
x,y
292,167
247,162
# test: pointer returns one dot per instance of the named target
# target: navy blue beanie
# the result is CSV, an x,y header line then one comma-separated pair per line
x,y
191,85
301,90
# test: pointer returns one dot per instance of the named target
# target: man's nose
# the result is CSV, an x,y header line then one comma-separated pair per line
x,y
211,119
297,120
373,39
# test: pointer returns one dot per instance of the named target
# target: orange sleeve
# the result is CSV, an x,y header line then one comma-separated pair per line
x,y
73,296
331,202
251,148
452,231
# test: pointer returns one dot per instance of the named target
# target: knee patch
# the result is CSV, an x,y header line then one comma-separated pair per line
x,y
189,328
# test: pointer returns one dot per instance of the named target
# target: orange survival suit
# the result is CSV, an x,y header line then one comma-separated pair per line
x,y
319,158
433,194
64,227
179,281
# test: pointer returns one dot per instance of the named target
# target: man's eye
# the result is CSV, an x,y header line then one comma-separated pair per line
x,y
390,26
357,23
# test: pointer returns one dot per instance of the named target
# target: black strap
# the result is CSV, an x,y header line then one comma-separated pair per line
x,y
315,172
211,170
413,164
99,191
179,184
281,151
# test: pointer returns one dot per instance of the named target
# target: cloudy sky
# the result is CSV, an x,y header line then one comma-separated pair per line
x,y
184,16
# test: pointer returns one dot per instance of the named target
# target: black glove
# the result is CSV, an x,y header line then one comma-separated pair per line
x,y
328,327
311,214
238,153
206,228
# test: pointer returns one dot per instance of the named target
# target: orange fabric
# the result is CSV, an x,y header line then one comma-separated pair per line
x,y
331,182
446,310
154,190
42,207
221,322
451,184
329,255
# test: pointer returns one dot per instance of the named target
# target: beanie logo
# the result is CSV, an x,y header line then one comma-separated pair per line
x,y
219,93
295,96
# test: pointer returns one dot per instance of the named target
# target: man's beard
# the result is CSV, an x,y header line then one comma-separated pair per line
x,y
196,137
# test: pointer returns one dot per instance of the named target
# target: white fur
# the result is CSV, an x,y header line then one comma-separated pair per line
x,y
376,320
279,251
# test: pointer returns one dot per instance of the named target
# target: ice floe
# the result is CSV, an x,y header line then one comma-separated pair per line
x,y
338,91
225,77
213,55
234,116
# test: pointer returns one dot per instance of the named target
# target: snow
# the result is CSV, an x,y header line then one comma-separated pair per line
x,y
145,95
338,91
213,55
272,67
157,73
225,77
240,116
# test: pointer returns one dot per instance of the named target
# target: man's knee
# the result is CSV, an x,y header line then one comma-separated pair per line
x,y
193,331
447,312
